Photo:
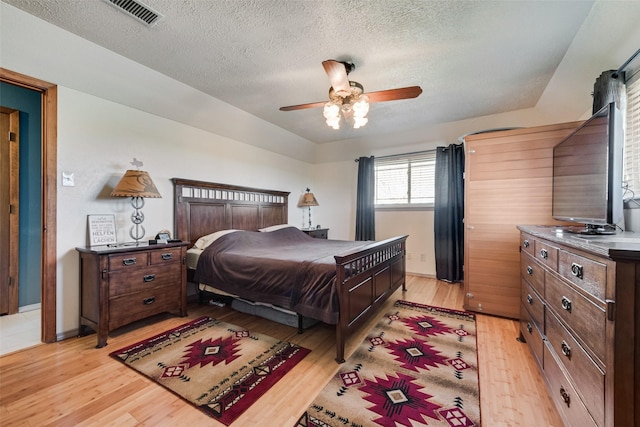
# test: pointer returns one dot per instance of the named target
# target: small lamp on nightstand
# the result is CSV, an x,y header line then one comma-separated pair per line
x,y
136,184
308,200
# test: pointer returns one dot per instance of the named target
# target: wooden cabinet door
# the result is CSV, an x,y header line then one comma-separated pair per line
x,y
508,181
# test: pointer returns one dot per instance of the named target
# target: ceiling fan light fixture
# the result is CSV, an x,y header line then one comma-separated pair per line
x,y
332,114
358,122
354,109
361,106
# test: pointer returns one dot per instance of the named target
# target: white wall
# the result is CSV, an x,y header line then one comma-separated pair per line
x,y
96,141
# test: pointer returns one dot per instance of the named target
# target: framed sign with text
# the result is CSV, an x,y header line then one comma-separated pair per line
x,y
102,229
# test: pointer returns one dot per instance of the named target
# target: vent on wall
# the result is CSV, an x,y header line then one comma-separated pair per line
x,y
138,10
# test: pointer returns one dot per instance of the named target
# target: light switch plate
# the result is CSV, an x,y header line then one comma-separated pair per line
x,y
68,179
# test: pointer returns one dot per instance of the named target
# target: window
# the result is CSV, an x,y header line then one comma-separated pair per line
x,y
405,180
632,138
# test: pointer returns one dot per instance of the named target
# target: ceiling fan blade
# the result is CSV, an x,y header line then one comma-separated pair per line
x,y
337,73
303,106
394,94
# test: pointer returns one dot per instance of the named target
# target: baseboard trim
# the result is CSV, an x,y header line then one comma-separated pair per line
x,y
67,334
431,276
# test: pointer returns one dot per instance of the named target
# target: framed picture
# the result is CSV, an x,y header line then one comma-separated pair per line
x,y
102,229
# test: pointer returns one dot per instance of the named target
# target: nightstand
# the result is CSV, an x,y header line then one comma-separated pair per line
x,y
124,283
318,233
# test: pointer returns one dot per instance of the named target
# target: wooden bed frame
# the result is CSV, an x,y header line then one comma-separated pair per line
x,y
365,278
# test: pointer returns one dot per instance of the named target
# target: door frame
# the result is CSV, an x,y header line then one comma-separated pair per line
x,y
49,148
12,220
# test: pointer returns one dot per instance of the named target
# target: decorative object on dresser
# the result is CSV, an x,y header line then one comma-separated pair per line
x,y
580,315
417,366
508,179
318,233
123,283
306,201
220,368
136,184
102,229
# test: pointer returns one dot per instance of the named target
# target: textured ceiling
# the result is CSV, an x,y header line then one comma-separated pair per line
x,y
471,58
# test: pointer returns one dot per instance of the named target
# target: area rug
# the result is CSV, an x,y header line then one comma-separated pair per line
x,y
219,368
417,367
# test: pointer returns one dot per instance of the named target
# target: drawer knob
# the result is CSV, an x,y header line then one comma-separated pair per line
x,y
166,257
149,277
544,253
566,350
149,300
529,299
128,261
565,396
529,327
529,270
526,244
577,270
566,304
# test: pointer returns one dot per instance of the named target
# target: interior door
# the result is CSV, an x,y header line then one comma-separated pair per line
x,y
9,209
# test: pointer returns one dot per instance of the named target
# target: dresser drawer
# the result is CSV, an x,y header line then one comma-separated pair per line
x,y
583,317
125,283
532,272
533,304
546,254
128,261
586,375
571,407
136,306
585,273
527,244
141,279
165,256
531,334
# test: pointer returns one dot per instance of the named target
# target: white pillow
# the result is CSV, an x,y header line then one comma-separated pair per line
x,y
205,241
276,227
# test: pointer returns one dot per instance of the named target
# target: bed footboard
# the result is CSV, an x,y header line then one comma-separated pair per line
x,y
365,280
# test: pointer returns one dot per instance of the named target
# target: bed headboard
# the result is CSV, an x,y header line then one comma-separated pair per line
x,y
201,208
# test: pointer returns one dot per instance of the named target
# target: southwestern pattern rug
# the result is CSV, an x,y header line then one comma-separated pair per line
x,y
417,367
219,368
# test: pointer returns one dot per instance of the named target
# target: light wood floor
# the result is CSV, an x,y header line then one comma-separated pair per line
x,y
72,383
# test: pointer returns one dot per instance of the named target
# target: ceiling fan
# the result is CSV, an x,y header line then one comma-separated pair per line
x,y
349,98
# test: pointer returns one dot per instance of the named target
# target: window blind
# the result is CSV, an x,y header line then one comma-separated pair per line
x,y
632,137
406,179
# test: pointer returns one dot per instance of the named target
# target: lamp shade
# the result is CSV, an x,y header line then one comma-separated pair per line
x,y
136,183
307,199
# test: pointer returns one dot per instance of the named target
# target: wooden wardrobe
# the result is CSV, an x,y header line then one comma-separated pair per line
x,y
508,179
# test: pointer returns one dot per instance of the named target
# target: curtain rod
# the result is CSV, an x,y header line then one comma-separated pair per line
x,y
623,66
403,154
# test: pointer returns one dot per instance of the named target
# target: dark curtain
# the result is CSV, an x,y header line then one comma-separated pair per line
x,y
365,205
449,213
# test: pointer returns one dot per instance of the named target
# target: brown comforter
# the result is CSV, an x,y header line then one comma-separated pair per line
x,y
286,268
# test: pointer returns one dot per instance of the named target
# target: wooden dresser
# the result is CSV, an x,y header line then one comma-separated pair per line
x,y
580,315
120,285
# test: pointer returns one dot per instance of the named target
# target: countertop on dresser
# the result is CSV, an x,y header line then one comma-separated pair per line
x,y
623,245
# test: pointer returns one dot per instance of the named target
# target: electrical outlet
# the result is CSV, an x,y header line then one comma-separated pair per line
x,y
423,257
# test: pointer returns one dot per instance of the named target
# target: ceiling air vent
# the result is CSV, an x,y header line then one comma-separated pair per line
x,y
138,10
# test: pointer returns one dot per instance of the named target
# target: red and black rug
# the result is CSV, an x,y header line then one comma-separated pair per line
x,y
417,367
219,368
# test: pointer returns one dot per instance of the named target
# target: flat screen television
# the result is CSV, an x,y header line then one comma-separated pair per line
x,y
587,174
